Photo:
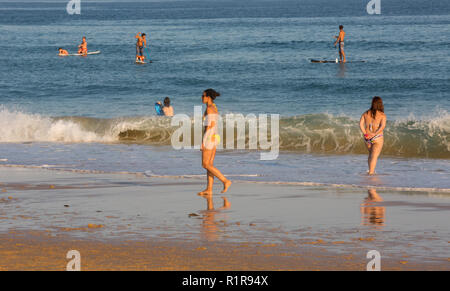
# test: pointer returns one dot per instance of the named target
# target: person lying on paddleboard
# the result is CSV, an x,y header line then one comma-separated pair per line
x,y
63,52
140,44
82,48
340,40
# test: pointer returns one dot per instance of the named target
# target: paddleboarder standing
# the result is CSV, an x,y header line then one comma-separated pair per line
x,y
340,40
140,44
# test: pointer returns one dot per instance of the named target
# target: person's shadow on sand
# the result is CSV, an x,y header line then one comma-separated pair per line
x,y
211,223
372,214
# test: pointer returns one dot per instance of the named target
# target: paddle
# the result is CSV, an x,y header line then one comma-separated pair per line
x,y
338,57
148,55
337,52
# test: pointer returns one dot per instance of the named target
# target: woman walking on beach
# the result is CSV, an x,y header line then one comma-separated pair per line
x,y
372,124
210,141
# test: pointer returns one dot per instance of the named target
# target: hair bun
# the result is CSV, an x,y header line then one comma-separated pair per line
x,y
212,93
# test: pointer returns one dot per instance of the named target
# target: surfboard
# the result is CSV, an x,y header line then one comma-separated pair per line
x,y
158,109
89,53
334,61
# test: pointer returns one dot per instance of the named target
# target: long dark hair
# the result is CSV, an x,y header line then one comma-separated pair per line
x,y
211,93
167,101
377,105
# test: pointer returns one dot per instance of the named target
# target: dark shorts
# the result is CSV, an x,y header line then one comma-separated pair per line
x,y
139,50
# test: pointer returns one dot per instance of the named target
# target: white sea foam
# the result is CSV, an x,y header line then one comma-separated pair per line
x,y
17,126
311,133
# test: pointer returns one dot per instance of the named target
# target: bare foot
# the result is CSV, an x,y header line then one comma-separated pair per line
x,y
373,196
226,185
226,203
205,193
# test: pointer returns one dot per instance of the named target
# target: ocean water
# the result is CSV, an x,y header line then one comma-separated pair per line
x,y
96,113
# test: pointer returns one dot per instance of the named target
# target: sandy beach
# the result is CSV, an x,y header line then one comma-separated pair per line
x,y
134,222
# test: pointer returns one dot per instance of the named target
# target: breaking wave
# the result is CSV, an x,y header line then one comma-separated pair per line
x,y
311,133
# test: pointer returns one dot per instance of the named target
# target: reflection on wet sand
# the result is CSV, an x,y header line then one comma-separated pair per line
x,y
371,213
211,223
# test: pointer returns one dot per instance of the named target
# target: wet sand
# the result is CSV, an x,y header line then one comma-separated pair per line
x,y
41,251
133,222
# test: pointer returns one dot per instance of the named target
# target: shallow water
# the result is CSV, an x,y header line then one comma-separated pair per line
x,y
337,170
131,207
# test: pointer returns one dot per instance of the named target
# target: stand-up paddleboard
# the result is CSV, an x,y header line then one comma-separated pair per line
x,y
142,63
89,53
334,61
158,109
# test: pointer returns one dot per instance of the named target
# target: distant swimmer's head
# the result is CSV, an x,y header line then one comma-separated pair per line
x,y
377,105
84,38
341,27
167,101
143,35
60,49
209,94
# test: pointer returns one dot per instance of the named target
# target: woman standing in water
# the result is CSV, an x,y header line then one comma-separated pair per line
x,y
210,141
372,124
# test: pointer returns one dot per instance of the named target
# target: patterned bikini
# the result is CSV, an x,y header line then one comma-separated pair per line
x,y
371,140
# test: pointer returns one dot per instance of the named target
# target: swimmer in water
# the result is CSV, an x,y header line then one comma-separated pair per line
x,y
167,109
210,141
